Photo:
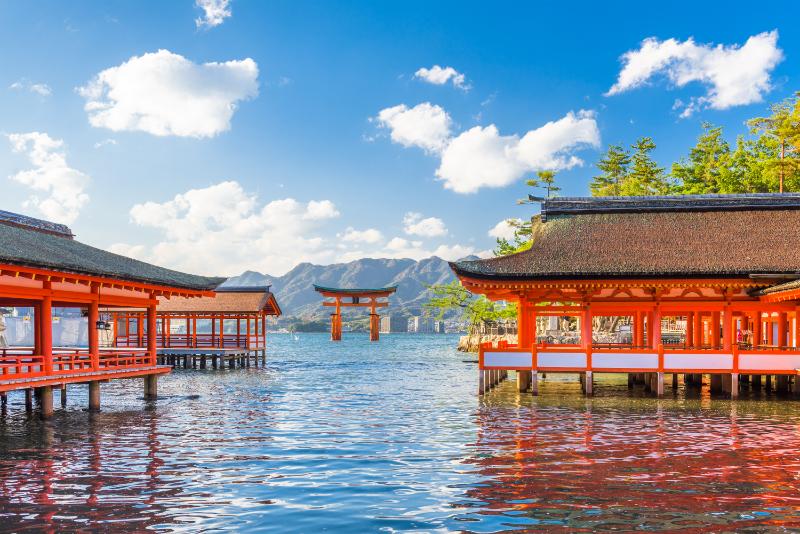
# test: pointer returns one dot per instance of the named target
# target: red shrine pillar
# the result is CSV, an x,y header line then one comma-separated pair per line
x,y
782,329
47,330
690,329
715,335
94,317
374,325
336,322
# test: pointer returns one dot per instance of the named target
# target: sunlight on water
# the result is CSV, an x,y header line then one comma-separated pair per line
x,y
391,436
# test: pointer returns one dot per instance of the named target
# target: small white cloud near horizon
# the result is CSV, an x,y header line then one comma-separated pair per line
x,y
417,224
734,75
105,142
370,236
438,75
426,126
41,89
162,93
504,229
214,12
59,190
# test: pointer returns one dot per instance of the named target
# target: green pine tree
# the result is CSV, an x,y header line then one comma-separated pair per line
x,y
645,178
614,166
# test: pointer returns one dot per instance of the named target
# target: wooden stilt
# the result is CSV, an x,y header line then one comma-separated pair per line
x,y
716,383
3,404
29,400
756,380
203,361
534,383
630,380
150,387
660,384
734,378
589,385
63,395
727,383
94,396
46,401
481,382
675,381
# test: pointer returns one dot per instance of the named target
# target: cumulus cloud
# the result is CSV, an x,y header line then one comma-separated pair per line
x,y
425,125
224,230
59,190
163,93
417,224
41,89
370,235
504,229
734,75
482,157
214,12
441,75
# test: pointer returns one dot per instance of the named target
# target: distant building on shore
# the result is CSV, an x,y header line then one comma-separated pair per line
x,y
391,324
425,325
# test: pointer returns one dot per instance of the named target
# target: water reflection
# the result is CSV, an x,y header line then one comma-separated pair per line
x,y
357,438
631,462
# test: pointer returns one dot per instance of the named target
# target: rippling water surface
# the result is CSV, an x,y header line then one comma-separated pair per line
x,y
363,437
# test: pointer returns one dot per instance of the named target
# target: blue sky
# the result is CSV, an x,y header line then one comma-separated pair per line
x,y
301,116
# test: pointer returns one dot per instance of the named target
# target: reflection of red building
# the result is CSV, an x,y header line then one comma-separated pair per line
x,y
714,264
42,267
631,467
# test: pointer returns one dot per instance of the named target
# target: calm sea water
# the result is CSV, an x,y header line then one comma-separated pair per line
x,y
361,437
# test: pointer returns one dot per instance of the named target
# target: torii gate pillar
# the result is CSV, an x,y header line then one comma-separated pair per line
x,y
358,298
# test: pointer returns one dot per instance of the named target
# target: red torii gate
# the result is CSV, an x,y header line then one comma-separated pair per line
x,y
355,296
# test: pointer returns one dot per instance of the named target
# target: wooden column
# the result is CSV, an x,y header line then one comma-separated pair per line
x,y
698,329
264,332
727,329
783,323
690,329
238,331
757,329
45,395
94,316
336,322
140,329
152,347
715,334
523,324
374,325
94,396
47,331
247,333
586,341
656,341
797,328
638,329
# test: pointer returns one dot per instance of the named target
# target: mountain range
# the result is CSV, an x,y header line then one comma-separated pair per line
x,y
298,300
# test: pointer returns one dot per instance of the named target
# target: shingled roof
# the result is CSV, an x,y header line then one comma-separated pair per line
x,y
34,243
681,236
227,300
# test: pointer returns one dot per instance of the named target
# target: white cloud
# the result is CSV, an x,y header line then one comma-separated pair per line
x,y
59,190
441,75
163,93
399,247
223,230
370,235
425,125
41,89
214,12
504,229
481,157
734,75
105,142
416,224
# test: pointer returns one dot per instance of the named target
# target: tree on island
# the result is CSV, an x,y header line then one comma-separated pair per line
x,y
473,309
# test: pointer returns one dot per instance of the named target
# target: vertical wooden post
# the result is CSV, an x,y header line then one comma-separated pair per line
x,y
656,327
727,329
47,330
140,329
150,387
94,316
757,329
698,329
264,334
94,396
523,324
238,331
45,394
247,333
63,395
152,347
783,323
715,334
690,329
797,328
336,322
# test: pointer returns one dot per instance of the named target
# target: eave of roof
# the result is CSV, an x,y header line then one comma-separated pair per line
x,y
360,291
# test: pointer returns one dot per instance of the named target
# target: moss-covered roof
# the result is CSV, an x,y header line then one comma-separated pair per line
x,y
644,239
27,246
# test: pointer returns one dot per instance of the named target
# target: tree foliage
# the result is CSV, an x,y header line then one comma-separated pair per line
x,y
473,309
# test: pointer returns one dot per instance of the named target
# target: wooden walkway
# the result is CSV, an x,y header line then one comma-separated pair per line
x,y
216,358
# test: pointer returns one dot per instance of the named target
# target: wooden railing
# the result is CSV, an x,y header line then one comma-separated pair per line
x,y
21,363
183,341
665,358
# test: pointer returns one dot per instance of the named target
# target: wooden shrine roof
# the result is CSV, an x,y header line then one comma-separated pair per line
x,y
37,244
687,236
248,300
792,285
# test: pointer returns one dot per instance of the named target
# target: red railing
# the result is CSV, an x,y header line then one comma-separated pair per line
x,y
182,341
20,363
